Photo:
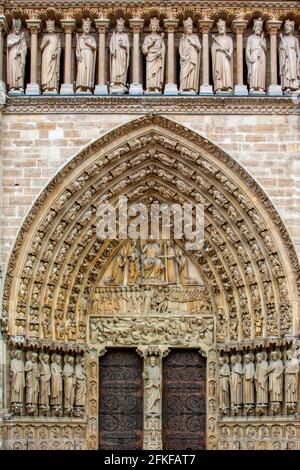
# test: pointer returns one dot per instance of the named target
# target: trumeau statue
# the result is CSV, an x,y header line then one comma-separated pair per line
x,y
86,58
291,372
32,379
16,55
119,59
51,49
17,375
69,383
152,378
222,50
155,50
45,378
256,49
56,382
289,58
224,374
261,378
189,51
275,377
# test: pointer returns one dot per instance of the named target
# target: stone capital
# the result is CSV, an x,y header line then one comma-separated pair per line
x,y
68,25
136,25
273,26
34,25
3,24
205,25
239,25
102,24
170,24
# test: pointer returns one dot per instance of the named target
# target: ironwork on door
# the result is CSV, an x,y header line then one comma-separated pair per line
x,y
184,404
121,400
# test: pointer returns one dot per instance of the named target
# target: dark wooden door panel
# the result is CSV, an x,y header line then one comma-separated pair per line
x,y
121,401
184,403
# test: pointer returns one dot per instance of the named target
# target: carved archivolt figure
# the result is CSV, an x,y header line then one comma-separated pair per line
x,y
45,377
289,58
275,377
51,49
189,51
86,55
222,50
224,374
256,49
119,59
152,378
291,371
69,383
154,49
261,378
32,378
152,264
56,381
17,375
236,381
80,382
16,55
248,380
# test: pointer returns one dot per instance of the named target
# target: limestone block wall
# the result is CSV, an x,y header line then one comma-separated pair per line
x,y
35,147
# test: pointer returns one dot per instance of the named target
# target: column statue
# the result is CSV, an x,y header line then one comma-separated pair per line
x,y
189,52
291,374
289,58
51,49
152,378
80,382
261,378
222,50
16,55
32,381
236,382
224,379
154,49
276,379
17,377
56,383
256,49
248,381
45,378
119,59
69,384
86,57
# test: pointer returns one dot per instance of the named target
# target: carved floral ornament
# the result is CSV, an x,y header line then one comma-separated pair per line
x,y
57,265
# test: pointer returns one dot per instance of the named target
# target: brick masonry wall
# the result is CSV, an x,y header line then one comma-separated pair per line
x,y
34,147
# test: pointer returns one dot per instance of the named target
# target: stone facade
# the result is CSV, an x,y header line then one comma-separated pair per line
x,y
237,154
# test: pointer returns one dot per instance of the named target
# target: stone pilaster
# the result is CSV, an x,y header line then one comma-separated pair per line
x,y
136,88
171,87
102,25
273,27
34,26
238,26
68,26
205,26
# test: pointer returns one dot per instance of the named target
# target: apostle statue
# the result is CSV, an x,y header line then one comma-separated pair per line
x,y
155,50
119,59
289,58
69,384
151,258
17,376
152,386
32,381
222,50
171,263
16,55
80,382
224,378
51,49
291,373
256,49
261,378
45,377
56,383
275,377
248,380
236,381
189,52
86,57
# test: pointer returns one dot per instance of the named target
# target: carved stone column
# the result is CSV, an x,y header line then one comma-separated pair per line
x,y
152,376
205,26
92,367
136,88
171,87
238,26
102,25
3,29
67,87
34,26
273,28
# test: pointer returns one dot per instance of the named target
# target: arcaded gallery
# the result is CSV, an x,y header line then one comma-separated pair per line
x,y
164,340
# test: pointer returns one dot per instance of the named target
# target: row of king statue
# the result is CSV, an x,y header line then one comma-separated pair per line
x,y
154,50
